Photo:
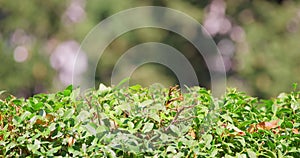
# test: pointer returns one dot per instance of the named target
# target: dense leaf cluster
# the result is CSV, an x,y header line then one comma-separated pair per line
x,y
154,121
252,32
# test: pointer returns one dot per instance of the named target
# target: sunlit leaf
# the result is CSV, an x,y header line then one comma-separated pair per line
x,y
147,127
207,139
251,153
227,117
68,114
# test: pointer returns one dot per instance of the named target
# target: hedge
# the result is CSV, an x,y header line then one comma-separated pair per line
x,y
149,122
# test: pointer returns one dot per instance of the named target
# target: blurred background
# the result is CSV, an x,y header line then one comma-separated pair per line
x,y
259,41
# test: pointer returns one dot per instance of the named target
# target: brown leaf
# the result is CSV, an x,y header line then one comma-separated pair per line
x,y
276,131
71,141
267,125
39,122
49,117
295,131
172,96
252,128
1,123
192,133
10,127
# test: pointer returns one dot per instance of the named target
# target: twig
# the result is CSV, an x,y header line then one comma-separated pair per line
x,y
182,120
90,105
178,112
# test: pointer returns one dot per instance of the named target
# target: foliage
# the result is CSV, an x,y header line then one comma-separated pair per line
x,y
263,36
147,122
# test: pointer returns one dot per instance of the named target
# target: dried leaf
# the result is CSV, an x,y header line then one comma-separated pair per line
x,y
71,141
49,117
252,128
276,131
192,133
10,127
39,122
172,96
268,125
295,131
242,133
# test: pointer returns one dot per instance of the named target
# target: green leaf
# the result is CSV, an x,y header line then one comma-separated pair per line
x,y
287,124
155,117
228,156
16,120
130,125
280,154
17,101
83,116
103,88
136,87
10,145
295,86
37,106
68,114
33,120
146,103
75,94
57,135
294,105
251,153
214,153
124,107
57,106
284,111
101,129
238,155
227,118
220,131
24,115
68,90
207,140
52,127
242,141
175,129
171,149
53,151
34,147
274,109
147,127
91,128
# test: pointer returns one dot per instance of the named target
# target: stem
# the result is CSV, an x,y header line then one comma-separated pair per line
x,y
179,111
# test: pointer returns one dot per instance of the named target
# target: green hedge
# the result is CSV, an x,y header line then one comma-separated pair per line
x,y
149,122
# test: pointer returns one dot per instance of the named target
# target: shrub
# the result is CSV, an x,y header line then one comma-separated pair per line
x,y
154,121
